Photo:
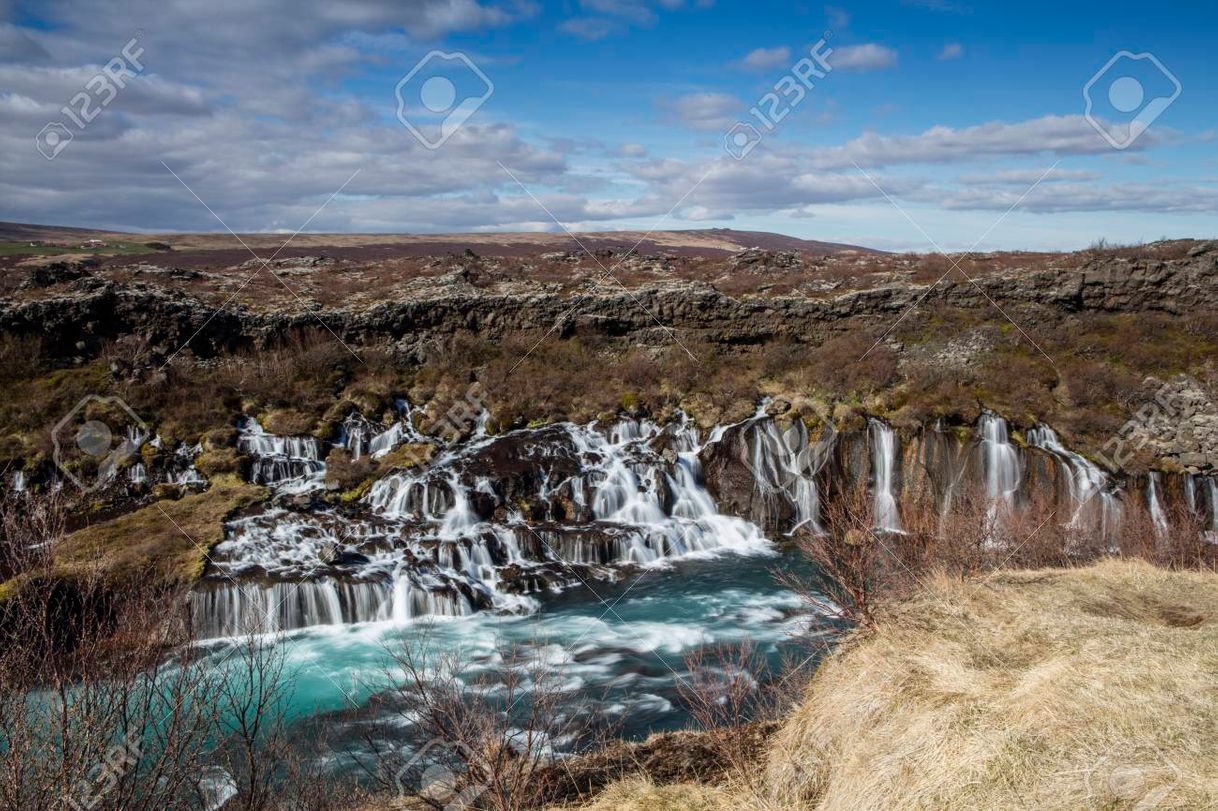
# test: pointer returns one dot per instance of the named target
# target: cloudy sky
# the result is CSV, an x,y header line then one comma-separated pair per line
x,y
936,122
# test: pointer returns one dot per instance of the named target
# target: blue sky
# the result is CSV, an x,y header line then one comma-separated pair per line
x,y
938,123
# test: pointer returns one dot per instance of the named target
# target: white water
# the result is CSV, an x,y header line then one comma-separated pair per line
x,y
883,471
1157,515
784,466
424,548
1002,474
1095,505
1211,534
363,437
291,463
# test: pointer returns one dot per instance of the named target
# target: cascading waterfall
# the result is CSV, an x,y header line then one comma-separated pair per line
x,y
1211,534
446,540
361,436
1002,475
883,471
291,462
1157,515
1088,485
493,520
784,466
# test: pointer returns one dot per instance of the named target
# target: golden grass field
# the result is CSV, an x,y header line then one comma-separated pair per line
x,y
1057,689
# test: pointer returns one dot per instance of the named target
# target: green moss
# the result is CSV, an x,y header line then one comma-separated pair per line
x,y
410,455
167,541
358,492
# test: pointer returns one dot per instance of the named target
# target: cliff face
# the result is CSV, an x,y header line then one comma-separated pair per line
x,y
92,308
1081,341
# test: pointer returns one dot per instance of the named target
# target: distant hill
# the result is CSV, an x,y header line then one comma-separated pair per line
x,y
707,240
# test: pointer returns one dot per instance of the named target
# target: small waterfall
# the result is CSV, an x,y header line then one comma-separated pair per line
x,y
884,472
182,470
138,474
1211,488
292,463
18,481
784,466
1157,515
360,436
1001,465
1088,485
225,608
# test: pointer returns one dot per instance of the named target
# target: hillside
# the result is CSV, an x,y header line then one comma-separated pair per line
x,y
709,241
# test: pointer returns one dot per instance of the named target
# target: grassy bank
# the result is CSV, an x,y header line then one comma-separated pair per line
x,y
1084,688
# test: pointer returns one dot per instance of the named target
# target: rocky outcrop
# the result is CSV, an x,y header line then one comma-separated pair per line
x,y
80,321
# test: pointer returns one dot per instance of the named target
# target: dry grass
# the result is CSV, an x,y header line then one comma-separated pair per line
x,y
640,794
1082,688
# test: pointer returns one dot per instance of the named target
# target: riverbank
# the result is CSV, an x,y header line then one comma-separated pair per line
x,y
1080,688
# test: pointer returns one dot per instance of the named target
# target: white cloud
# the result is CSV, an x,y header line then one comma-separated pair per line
x,y
706,111
1026,177
952,50
1150,197
839,18
869,56
604,18
766,58
1052,134
591,28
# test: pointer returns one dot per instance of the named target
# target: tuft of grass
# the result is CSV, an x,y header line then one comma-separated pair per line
x,y
166,542
640,794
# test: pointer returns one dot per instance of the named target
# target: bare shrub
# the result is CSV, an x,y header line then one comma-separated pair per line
x,y
488,733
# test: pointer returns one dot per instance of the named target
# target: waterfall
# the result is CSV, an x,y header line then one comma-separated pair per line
x,y
884,471
138,474
446,540
1086,483
360,436
19,481
291,463
1157,515
228,608
784,466
1211,534
1002,474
